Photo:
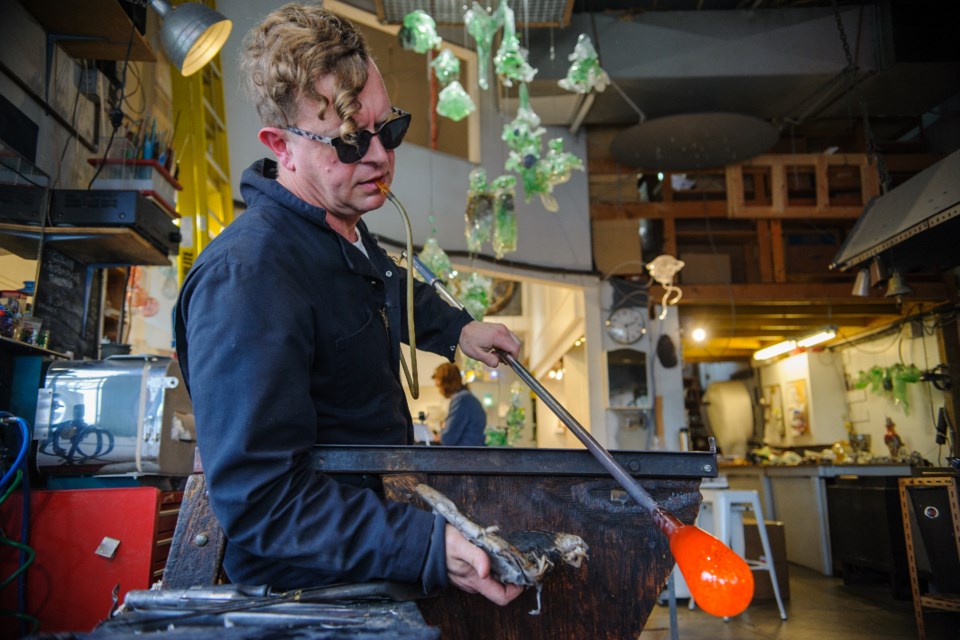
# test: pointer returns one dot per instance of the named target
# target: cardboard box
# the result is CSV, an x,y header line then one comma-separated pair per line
x,y
616,247
753,550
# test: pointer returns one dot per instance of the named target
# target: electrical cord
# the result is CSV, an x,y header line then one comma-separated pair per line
x,y
6,417
18,475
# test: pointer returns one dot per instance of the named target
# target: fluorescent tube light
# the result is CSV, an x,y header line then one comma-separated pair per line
x,y
828,333
775,350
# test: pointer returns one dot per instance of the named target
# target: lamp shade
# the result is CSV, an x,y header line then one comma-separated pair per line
x,y
878,273
897,286
861,287
192,34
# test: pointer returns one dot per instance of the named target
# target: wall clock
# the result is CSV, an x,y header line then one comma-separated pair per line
x,y
626,325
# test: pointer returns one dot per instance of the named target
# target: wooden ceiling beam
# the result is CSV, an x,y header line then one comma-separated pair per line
x,y
835,294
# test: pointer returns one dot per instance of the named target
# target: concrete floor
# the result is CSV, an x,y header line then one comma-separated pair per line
x,y
820,608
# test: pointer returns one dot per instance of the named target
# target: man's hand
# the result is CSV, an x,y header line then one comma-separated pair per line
x,y
468,568
478,339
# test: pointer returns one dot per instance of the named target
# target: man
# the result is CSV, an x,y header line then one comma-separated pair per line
x,y
466,419
289,327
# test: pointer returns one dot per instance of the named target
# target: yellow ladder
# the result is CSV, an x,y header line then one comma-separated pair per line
x,y
200,142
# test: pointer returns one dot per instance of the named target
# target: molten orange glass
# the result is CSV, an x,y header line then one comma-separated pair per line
x,y
719,580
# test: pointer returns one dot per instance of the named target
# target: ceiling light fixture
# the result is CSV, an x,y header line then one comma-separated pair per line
x,y
819,336
775,350
699,334
827,333
192,34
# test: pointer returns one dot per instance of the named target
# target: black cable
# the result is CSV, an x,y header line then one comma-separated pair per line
x,y
116,113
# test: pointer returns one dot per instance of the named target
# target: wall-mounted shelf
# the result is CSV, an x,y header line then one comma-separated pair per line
x,y
15,347
89,245
103,29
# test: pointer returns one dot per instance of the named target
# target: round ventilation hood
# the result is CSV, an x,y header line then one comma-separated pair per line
x,y
693,141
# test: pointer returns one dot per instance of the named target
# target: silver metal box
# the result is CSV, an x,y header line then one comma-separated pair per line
x,y
128,415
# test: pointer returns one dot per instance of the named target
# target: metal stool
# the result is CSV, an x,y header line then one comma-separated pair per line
x,y
725,508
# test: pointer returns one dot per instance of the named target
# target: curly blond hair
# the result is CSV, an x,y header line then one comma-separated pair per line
x,y
296,45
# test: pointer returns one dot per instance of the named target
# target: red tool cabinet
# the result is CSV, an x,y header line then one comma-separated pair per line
x,y
70,584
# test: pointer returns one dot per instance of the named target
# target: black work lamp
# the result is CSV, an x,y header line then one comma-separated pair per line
x,y
192,33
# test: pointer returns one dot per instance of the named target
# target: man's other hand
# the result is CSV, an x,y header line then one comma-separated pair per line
x,y
468,568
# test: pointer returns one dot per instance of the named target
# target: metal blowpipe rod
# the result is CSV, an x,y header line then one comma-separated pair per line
x,y
720,581
603,456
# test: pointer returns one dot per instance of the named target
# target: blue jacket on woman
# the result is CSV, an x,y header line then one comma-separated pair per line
x,y
466,421
289,337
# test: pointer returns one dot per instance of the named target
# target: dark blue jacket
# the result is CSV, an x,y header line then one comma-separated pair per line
x,y
465,421
288,336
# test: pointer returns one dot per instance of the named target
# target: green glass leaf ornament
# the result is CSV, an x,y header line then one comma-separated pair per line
x,y
454,102
523,133
585,74
419,32
510,63
479,212
901,376
436,259
504,216
446,66
559,163
482,26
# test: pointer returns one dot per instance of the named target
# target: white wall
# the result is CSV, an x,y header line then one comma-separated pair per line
x,y
830,376
869,411
811,382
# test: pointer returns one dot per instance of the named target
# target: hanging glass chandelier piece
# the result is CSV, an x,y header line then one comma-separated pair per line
x,y
482,26
436,259
446,66
419,32
474,292
479,213
510,63
584,74
453,101
504,216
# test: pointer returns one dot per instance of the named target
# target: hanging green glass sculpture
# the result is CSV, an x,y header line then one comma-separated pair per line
x,y
436,259
479,212
516,414
584,74
504,216
446,66
419,32
474,292
510,63
482,26
454,102
559,163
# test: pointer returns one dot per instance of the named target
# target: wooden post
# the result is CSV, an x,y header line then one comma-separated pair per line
x,y
776,245
765,250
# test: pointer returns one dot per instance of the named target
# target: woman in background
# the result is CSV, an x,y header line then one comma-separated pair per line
x,y
466,419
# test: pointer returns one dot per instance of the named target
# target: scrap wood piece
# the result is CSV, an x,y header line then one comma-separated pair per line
x,y
522,558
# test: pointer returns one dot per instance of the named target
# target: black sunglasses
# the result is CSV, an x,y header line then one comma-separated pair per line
x,y
390,133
